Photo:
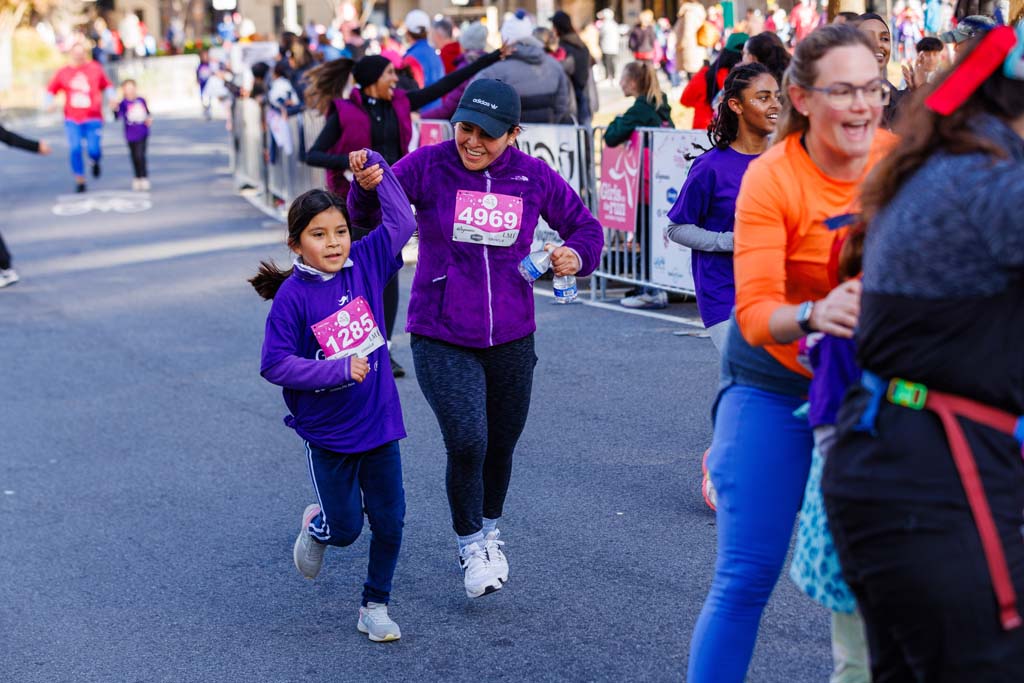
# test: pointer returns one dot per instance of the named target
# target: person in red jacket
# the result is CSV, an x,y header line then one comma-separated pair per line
x,y
83,83
702,89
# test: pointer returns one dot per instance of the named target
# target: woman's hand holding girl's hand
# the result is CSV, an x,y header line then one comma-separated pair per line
x,y
563,260
837,313
359,368
370,178
357,159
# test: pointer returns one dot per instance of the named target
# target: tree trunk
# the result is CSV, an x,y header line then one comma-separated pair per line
x,y
9,20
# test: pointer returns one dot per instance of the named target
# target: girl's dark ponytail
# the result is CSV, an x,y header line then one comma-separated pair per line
x,y
303,210
269,279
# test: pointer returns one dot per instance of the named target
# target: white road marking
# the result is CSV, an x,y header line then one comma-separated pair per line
x,y
157,251
692,322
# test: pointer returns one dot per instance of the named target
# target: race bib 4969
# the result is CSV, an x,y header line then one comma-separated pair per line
x,y
349,332
487,218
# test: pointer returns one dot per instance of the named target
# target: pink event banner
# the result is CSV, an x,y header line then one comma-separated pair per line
x,y
432,132
620,185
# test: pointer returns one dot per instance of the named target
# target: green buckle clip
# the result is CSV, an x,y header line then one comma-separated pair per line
x,y
907,394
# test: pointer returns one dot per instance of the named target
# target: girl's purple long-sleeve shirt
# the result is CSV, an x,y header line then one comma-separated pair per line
x,y
326,407
134,113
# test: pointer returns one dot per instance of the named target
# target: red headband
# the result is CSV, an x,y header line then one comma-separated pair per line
x,y
972,72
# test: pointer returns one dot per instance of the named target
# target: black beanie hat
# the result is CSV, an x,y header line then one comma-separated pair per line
x,y
369,69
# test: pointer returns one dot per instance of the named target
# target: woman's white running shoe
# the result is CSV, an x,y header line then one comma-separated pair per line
x,y
480,577
496,556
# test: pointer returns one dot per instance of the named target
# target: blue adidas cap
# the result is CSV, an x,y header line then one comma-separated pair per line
x,y
493,105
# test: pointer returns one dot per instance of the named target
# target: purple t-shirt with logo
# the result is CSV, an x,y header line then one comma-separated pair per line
x,y
708,200
134,114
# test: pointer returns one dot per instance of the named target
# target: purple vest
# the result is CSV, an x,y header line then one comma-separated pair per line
x,y
355,132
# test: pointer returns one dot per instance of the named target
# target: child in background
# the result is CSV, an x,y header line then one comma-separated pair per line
x,y
338,384
137,120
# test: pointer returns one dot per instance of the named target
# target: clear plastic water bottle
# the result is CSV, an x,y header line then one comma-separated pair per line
x,y
565,289
535,265
538,263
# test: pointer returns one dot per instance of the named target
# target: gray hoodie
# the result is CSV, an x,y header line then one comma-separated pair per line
x,y
540,81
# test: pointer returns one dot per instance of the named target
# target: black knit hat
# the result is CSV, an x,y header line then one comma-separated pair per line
x,y
369,69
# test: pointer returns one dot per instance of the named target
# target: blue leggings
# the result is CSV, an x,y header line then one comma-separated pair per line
x,y
91,132
345,485
760,457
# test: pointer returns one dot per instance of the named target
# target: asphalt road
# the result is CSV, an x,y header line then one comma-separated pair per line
x,y
150,494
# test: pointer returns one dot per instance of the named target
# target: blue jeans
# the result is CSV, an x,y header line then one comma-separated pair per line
x,y
344,485
91,132
760,457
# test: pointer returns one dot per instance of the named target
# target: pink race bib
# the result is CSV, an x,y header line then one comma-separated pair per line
x,y
487,218
349,332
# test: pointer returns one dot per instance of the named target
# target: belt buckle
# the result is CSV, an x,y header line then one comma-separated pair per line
x,y
907,394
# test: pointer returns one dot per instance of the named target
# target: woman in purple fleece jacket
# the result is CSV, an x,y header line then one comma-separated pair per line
x,y
324,347
478,200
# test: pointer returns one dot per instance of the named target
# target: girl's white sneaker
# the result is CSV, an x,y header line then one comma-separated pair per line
x,y
375,623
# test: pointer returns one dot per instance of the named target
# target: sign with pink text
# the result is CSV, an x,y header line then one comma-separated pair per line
x,y
351,331
620,185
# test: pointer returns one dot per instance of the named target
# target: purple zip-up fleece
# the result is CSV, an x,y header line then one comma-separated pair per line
x,y
470,294
327,407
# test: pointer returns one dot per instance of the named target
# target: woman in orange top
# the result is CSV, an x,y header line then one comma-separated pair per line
x,y
790,198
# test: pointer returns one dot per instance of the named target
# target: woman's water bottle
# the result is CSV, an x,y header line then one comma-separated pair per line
x,y
538,263
565,289
535,265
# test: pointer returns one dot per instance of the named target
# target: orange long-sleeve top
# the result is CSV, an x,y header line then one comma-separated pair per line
x,y
782,245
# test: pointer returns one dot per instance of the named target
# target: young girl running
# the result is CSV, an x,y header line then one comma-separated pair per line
x,y
134,111
324,347
703,215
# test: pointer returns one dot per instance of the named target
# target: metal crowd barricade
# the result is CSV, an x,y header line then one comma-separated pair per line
x,y
248,130
309,177
644,257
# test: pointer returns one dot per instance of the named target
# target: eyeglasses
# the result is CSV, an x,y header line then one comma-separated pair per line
x,y
842,95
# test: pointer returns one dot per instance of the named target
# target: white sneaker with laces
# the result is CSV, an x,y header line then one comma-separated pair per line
x,y
8,277
496,556
480,577
375,623
308,553
652,301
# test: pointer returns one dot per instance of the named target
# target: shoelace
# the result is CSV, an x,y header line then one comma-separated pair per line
x,y
493,546
378,615
474,551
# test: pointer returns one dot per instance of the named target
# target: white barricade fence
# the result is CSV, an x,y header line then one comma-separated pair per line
x,y
569,151
248,128
640,181
671,155
310,177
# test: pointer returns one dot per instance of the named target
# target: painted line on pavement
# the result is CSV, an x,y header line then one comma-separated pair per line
x,y
692,322
159,251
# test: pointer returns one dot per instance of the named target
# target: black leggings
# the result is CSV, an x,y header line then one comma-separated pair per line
x,y
138,150
390,290
481,398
